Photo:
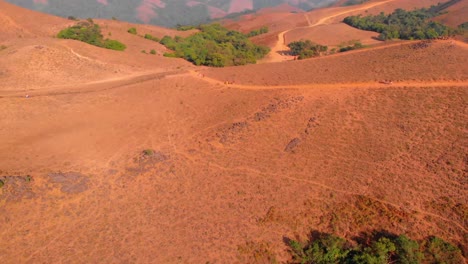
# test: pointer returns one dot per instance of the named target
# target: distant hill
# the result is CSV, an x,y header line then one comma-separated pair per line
x,y
160,12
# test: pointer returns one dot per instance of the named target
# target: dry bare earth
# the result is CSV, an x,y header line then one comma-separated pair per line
x,y
315,144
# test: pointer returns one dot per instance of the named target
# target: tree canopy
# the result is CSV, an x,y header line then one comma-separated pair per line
x,y
215,46
89,32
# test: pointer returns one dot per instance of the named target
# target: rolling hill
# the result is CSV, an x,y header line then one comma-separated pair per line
x,y
160,12
129,157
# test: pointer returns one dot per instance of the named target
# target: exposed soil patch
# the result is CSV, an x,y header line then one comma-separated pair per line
x,y
70,182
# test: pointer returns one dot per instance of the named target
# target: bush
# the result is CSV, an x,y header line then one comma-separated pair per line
x,y
72,18
184,28
257,32
2,47
215,46
463,26
90,33
114,45
153,52
356,45
306,49
148,152
132,31
150,37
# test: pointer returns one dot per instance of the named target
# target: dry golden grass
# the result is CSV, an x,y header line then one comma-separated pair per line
x,y
315,144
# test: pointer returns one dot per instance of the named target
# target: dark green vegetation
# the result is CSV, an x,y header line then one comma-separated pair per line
x,y
87,31
403,24
463,26
380,248
354,2
257,32
151,37
148,152
306,49
132,31
185,28
215,46
351,46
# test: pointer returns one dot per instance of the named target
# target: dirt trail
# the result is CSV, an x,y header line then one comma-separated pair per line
x,y
276,53
334,85
123,81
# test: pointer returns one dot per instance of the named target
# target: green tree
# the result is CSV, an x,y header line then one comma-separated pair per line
x,y
90,33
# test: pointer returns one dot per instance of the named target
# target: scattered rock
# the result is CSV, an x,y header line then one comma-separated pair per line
x,y
259,116
311,124
146,161
421,45
230,133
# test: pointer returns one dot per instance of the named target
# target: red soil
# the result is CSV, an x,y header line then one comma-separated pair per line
x,y
289,147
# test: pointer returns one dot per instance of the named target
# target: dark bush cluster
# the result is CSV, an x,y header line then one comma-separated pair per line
x,y
402,24
87,31
382,248
257,32
306,49
184,28
132,31
356,45
354,2
151,37
215,46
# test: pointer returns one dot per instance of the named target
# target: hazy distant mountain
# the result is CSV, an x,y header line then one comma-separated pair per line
x,y
159,12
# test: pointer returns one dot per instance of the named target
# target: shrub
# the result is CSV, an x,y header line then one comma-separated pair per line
x,y
90,33
132,31
114,45
72,18
148,152
257,32
2,47
150,37
356,45
306,49
153,52
463,26
184,28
